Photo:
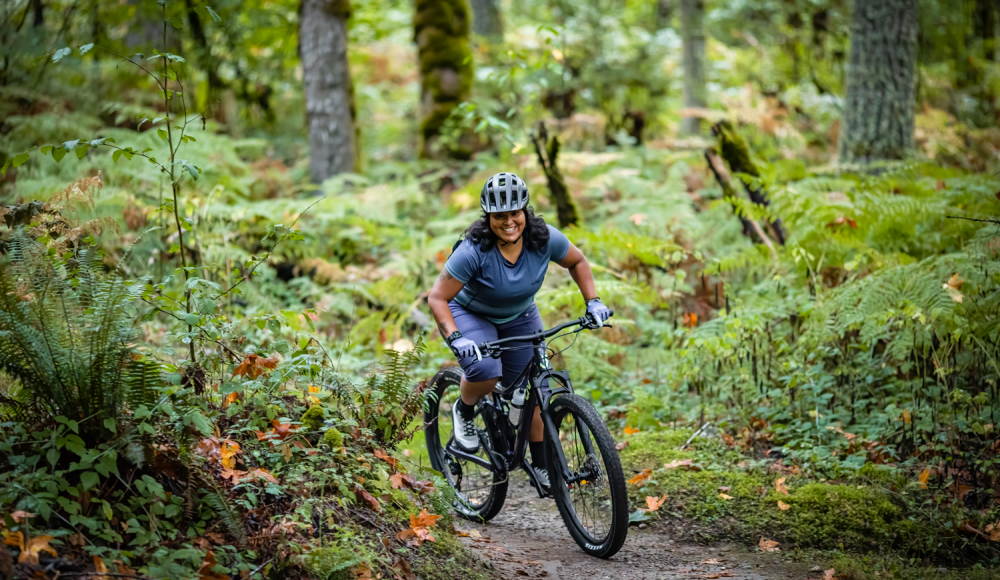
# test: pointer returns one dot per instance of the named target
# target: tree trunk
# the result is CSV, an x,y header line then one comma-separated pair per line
x,y
693,34
326,78
486,21
879,109
441,31
547,151
664,13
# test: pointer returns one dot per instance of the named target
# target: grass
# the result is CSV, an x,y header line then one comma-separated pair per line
x,y
870,514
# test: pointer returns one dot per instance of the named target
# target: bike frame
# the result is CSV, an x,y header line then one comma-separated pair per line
x,y
503,458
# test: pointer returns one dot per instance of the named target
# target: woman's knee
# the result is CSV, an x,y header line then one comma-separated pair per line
x,y
482,370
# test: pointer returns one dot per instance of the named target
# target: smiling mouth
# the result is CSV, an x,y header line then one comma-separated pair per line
x,y
510,230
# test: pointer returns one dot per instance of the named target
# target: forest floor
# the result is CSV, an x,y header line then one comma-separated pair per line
x,y
528,540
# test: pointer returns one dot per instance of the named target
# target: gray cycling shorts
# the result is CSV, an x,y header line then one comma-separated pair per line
x,y
511,363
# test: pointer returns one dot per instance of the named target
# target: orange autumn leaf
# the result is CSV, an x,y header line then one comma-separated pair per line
x,y
228,451
906,417
205,570
33,548
423,519
630,430
392,461
725,496
313,389
768,545
264,474
922,478
14,539
100,568
686,464
396,479
780,487
642,476
829,574
783,506
21,516
254,366
653,503
230,398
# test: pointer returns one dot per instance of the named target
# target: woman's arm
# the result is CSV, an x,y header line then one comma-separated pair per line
x,y
579,269
445,288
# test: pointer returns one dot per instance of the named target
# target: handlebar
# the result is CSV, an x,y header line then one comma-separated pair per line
x,y
492,348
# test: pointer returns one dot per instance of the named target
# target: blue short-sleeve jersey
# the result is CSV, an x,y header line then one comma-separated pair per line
x,y
494,287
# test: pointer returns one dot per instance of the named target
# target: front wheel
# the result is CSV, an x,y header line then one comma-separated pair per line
x,y
593,502
479,492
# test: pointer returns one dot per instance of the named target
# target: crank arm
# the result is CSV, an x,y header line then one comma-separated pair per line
x,y
459,454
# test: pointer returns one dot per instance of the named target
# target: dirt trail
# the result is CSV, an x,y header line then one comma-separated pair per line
x,y
528,540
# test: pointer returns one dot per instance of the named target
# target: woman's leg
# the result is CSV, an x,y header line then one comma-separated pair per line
x,y
479,376
515,361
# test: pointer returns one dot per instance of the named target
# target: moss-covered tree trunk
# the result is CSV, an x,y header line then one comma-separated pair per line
x,y
326,79
879,109
441,31
547,150
734,150
693,35
486,20
664,14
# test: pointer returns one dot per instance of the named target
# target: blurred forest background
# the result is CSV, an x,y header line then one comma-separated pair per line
x,y
220,223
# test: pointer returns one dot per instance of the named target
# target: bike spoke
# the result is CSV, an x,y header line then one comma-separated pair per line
x,y
590,495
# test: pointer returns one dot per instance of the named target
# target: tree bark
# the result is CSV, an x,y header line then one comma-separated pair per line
x,y
693,35
879,109
326,77
547,151
664,13
441,31
486,20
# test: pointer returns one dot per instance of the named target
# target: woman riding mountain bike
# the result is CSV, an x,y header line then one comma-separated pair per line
x,y
486,292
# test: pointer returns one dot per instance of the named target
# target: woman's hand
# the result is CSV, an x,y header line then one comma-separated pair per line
x,y
598,311
465,348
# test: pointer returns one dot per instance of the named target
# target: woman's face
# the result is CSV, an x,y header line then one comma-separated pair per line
x,y
507,225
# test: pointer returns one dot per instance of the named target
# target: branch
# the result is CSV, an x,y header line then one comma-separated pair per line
x,y
254,267
958,217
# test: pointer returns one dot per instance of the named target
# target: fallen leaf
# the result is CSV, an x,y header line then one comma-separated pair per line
x,y
637,218
922,478
472,533
313,389
630,430
123,569
264,474
254,366
100,568
906,417
406,452
726,497
622,445
829,574
710,561
21,516
653,503
33,548
768,545
686,464
362,572
780,487
368,498
783,506
402,569
841,220
233,475
228,451
392,461
205,570
397,480
230,398
642,476
952,286
423,519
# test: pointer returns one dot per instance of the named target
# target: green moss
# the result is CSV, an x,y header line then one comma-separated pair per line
x,y
449,559
734,149
333,438
332,563
313,419
875,567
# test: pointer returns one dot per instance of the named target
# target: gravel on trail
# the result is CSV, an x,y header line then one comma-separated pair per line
x,y
529,540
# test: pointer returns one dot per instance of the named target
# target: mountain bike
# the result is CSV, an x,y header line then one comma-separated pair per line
x,y
585,473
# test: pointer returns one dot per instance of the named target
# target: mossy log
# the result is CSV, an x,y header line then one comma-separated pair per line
x,y
751,228
441,31
734,150
547,150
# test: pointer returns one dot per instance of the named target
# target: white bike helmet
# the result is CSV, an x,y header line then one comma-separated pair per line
x,y
503,192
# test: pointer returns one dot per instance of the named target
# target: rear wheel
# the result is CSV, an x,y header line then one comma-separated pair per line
x,y
479,492
593,502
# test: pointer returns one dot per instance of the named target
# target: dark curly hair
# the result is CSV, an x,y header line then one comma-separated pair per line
x,y
536,233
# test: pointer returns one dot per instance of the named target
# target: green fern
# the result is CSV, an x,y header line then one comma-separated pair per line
x,y
64,330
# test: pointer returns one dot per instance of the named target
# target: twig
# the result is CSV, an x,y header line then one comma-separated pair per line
x,y
767,241
258,568
696,433
958,217
268,254
97,574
